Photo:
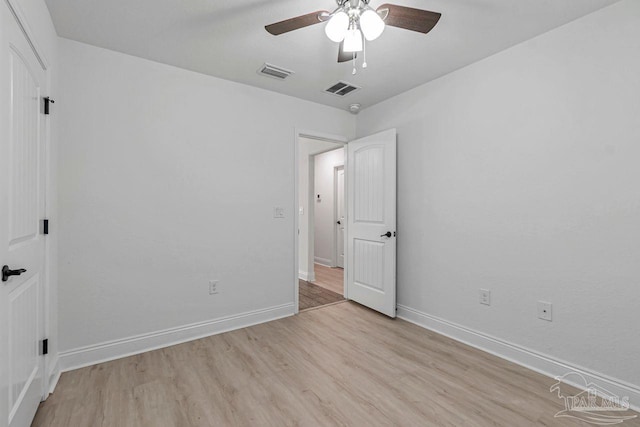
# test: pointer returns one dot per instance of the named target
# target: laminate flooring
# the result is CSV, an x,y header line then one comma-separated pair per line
x,y
331,278
338,365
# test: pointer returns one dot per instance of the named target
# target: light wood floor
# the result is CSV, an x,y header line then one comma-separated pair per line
x,y
338,365
329,278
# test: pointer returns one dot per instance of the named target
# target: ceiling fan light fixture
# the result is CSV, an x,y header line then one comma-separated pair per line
x,y
371,24
354,23
337,26
353,41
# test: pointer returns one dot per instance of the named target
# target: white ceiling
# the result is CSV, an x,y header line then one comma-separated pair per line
x,y
227,39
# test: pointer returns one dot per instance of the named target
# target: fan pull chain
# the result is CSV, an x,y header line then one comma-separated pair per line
x,y
354,64
364,53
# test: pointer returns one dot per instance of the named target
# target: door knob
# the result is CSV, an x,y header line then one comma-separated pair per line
x,y
6,272
387,234
339,223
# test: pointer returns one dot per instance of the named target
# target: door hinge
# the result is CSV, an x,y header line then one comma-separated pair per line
x,y
47,102
45,226
45,346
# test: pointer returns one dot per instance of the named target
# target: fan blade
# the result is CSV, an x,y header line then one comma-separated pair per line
x,y
344,56
297,23
409,18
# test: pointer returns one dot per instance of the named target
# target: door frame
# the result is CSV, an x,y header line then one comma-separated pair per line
x,y
321,136
50,372
336,255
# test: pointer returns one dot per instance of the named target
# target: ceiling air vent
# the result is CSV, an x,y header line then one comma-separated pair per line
x,y
342,89
274,72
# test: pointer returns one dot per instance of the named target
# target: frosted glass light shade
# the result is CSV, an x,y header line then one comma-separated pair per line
x,y
371,24
337,27
353,41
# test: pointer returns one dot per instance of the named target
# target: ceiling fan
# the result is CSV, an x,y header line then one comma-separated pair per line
x,y
354,21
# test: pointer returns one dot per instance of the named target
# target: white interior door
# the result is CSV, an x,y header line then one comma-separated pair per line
x,y
22,193
340,221
371,221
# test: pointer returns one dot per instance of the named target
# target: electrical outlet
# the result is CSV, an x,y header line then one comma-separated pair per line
x,y
544,311
213,287
278,212
485,297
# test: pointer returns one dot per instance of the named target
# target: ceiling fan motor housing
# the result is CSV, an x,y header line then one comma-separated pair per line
x,y
353,4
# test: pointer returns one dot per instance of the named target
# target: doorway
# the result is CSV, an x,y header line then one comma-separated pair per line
x,y
319,279
327,286
369,214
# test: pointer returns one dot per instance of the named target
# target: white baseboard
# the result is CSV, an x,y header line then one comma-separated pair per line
x,y
308,276
54,376
543,364
323,261
116,349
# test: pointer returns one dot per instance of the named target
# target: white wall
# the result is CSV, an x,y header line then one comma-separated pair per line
x,y
307,147
324,165
519,174
169,179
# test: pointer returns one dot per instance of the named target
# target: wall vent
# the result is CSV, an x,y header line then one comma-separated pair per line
x,y
342,89
274,72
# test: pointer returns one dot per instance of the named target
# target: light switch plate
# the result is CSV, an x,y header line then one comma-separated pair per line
x,y
278,212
